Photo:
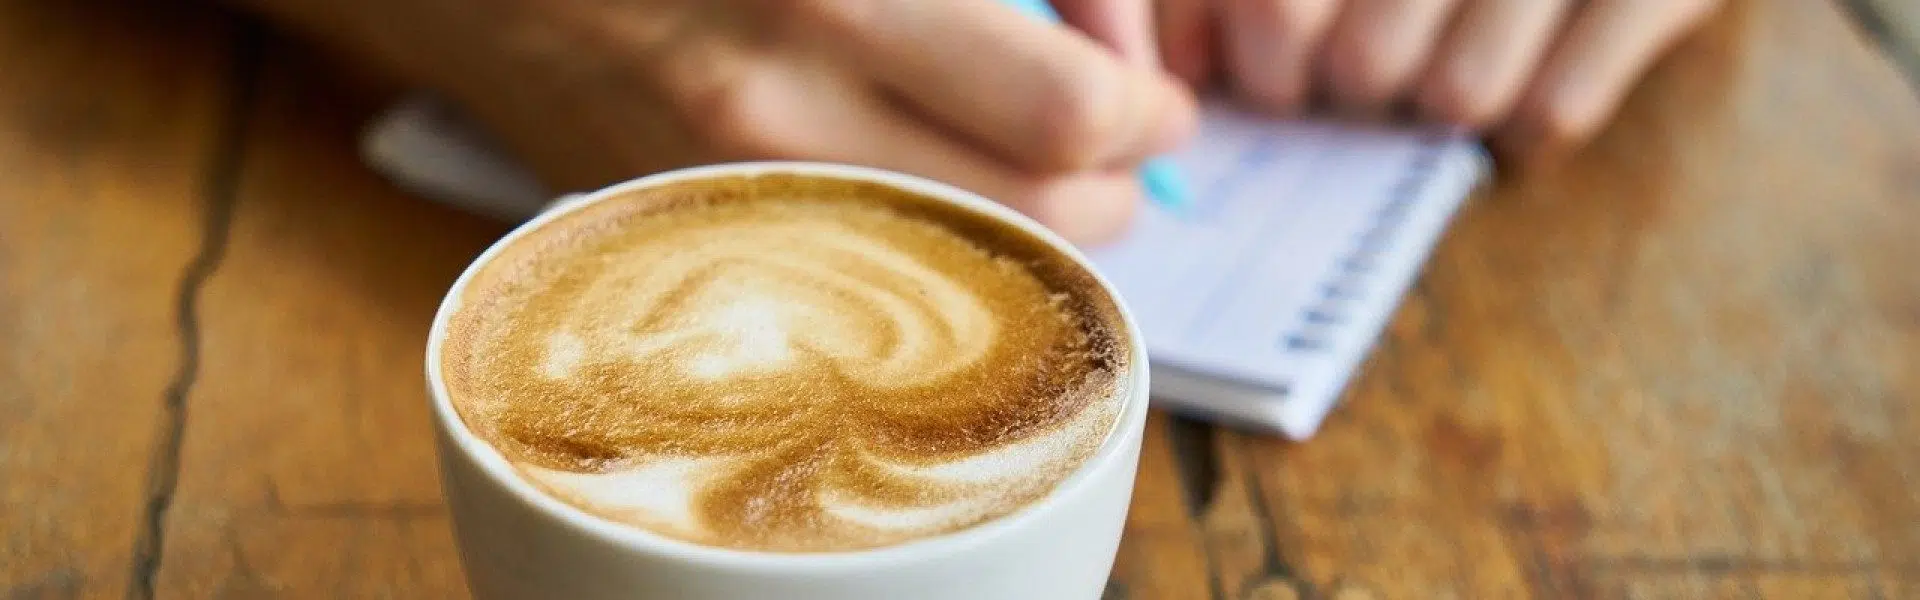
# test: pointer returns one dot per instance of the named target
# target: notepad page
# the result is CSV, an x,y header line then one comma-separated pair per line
x,y
1300,241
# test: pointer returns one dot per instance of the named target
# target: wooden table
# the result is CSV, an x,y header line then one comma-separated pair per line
x,y
1685,365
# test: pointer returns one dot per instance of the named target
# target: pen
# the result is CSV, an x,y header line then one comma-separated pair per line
x,y
1157,175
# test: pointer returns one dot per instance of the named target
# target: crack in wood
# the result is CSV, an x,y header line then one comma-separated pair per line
x,y
1192,443
387,510
245,580
392,511
1548,538
1199,469
1554,568
220,194
1276,571
1273,567
1717,563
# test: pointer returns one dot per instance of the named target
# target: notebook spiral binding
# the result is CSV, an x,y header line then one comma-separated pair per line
x,y
1347,284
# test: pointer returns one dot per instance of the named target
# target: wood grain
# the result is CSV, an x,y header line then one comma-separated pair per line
x,y
308,468
1681,366
1162,553
109,121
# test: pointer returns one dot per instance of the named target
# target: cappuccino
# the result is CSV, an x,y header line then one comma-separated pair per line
x,y
787,362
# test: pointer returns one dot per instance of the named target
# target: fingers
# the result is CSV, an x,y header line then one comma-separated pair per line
x,y
808,110
1590,70
1085,208
1186,30
1377,48
1540,73
1038,94
1124,26
1485,60
1271,46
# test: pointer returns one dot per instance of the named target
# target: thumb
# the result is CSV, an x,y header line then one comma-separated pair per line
x,y
1124,26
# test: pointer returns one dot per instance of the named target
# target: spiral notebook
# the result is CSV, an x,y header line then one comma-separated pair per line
x,y
1258,301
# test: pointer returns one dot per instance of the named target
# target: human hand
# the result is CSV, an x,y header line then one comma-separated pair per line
x,y
970,92
1537,76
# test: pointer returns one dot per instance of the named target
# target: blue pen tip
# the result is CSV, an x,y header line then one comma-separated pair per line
x,y
1161,180
1164,185
1037,8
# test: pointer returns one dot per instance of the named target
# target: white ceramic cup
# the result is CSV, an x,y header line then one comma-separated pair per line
x,y
519,543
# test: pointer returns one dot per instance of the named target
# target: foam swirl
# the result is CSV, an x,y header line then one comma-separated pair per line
x,y
744,299
786,363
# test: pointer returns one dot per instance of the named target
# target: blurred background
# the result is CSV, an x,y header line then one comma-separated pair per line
x,y
1681,365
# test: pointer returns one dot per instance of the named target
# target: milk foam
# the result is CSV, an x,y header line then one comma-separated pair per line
x,y
787,363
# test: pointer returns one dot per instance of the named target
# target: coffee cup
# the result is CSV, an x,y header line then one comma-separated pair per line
x,y
521,539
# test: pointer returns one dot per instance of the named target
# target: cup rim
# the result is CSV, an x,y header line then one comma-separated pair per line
x,y
500,472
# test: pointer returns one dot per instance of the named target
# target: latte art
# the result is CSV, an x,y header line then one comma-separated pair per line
x,y
787,363
747,299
